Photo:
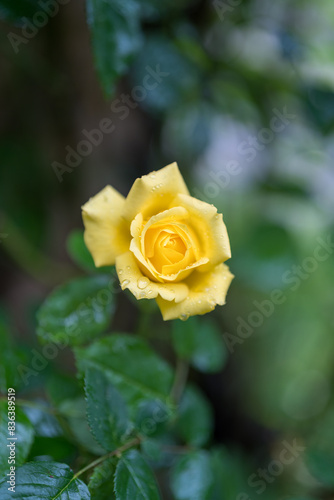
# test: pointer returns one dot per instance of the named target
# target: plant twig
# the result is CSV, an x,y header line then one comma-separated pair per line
x,y
31,259
33,404
180,380
119,451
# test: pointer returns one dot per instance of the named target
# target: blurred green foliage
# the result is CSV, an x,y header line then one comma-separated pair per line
x,y
245,103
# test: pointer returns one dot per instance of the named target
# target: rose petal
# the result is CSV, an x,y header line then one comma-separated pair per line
x,y
165,218
153,193
141,286
138,230
137,245
106,235
210,229
206,290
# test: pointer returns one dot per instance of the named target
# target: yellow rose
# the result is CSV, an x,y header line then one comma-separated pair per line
x,y
166,245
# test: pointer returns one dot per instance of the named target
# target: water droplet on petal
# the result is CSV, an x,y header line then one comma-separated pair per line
x,y
120,271
125,283
128,268
184,317
142,283
212,302
150,292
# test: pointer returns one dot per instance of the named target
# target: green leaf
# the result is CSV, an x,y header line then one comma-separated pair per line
x,y
14,12
134,479
155,9
189,120
131,366
44,423
78,251
101,483
57,449
176,77
24,437
45,480
230,474
10,357
152,450
116,38
321,466
76,312
199,342
159,451
152,417
61,387
195,420
74,410
106,411
192,477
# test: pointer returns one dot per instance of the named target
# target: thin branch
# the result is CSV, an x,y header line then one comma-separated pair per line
x,y
33,404
180,380
30,258
119,451
178,449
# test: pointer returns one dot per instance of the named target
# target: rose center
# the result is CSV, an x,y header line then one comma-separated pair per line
x,y
168,249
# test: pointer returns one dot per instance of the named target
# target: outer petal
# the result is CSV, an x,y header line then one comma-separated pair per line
x,y
206,290
209,227
106,233
153,193
135,247
142,287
